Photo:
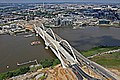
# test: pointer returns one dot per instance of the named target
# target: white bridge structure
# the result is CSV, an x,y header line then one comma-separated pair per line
x,y
51,41
69,56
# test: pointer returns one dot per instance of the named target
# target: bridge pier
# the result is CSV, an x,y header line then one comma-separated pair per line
x,y
46,47
63,65
46,44
36,34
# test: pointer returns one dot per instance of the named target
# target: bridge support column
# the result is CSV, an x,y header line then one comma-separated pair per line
x,y
46,44
63,64
46,47
36,34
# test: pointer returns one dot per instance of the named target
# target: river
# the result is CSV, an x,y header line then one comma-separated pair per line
x,y
15,49
89,37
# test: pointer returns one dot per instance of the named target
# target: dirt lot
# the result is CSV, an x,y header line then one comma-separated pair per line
x,y
59,73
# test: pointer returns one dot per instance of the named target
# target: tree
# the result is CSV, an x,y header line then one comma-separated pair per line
x,y
46,63
9,74
55,62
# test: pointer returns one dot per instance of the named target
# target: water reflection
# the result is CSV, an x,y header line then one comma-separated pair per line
x,y
84,39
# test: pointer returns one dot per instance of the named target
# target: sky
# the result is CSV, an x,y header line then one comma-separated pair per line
x,y
38,1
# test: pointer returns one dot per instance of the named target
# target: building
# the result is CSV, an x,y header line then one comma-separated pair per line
x,y
104,21
64,20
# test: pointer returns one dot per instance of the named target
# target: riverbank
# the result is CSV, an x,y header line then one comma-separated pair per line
x,y
56,73
110,61
98,49
29,69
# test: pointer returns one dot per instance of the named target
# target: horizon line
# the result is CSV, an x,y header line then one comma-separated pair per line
x,y
64,2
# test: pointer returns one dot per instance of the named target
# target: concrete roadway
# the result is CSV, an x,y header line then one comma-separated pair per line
x,y
81,74
98,68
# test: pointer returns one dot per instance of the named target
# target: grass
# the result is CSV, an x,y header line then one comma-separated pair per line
x,y
96,50
107,60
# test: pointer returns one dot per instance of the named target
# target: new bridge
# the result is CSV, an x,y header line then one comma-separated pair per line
x,y
69,56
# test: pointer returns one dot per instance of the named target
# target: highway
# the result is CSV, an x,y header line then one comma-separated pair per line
x,y
82,73
96,67
92,65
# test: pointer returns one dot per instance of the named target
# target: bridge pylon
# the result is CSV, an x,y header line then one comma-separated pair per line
x,y
49,29
69,46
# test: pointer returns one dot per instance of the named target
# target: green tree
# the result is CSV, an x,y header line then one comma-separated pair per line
x,y
9,74
23,70
46,63
17,72
55,62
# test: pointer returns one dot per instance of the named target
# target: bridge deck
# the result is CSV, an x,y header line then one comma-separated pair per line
x,y
53,42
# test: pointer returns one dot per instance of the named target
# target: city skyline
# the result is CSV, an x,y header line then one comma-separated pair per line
x,y
38,1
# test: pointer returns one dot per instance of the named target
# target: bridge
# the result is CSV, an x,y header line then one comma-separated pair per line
x,y
69,56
